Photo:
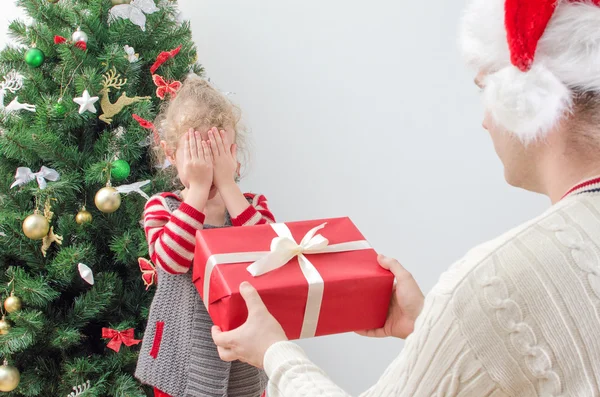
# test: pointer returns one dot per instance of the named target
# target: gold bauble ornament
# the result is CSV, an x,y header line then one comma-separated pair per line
x,y
117,2
36,226
83,216
12,304
53,1
9,377
108,200
4,326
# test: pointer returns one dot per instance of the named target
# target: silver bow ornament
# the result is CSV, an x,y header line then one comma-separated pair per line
x,y
134,188
24,175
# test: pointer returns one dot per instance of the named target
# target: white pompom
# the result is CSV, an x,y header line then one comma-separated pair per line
x,y
528,104
86,273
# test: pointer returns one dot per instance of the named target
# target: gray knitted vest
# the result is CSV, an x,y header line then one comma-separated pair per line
x,y
184,361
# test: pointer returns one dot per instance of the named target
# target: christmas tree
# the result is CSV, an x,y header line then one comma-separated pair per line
x,y
82,83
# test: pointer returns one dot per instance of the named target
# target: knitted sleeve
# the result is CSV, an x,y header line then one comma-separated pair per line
x,y
257,213
435,361
171,236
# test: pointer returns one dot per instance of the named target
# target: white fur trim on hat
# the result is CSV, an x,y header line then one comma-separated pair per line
x,y
527,104
567,58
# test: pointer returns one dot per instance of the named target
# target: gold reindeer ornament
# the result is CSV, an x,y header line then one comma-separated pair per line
x,y
113,80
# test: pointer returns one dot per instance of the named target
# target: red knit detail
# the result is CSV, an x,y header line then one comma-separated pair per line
x,y
583,184
244,217
191,211
158,334
525,23
249,216
158,393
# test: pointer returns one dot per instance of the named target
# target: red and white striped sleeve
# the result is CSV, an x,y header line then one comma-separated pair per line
x,y
257,213
171,236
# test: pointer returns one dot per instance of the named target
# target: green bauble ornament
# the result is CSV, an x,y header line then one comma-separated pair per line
x,y
34,57
59,109
120,170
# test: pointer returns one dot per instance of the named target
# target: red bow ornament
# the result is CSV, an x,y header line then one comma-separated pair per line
x,y
82,45
164,88
149,126
164,57
148,272
117,338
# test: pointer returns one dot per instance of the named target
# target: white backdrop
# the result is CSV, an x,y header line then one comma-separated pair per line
x,y
362,109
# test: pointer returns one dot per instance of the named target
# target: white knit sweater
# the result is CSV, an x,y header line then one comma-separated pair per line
x,y
517,316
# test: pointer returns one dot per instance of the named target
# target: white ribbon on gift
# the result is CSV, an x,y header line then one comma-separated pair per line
x,y
283,249
25,175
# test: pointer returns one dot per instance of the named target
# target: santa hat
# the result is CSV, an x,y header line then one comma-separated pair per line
x,y
536,53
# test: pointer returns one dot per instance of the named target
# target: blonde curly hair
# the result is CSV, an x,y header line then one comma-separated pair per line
x,y
200,106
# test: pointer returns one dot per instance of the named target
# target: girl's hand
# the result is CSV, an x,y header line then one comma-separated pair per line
x,y
406,305
250,342
224,158
197,162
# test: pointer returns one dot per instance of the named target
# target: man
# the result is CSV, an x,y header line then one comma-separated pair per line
x,y
519,315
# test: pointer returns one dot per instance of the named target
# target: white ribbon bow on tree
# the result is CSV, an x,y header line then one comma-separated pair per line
x,y
24,175
134,188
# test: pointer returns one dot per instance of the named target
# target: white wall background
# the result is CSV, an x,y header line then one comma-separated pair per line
x,y
361,109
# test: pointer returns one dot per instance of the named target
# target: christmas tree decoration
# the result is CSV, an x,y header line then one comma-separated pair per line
x,y
83,216
134,188
164,88
148,272
9,377
24,175
34,57
148,125
108,200
80,389
120,170
134,11
49,239
86,273
86,102
131,55
59,109
60,304
12,83
118,338
36,226
79,35
164,57
4,326
12,304
113,80
81,44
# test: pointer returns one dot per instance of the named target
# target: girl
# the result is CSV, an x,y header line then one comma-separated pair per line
x,y
178,357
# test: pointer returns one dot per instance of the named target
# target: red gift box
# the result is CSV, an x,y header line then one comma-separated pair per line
x,y
321,277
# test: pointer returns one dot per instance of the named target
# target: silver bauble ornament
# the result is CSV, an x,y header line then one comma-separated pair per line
x,y
79,35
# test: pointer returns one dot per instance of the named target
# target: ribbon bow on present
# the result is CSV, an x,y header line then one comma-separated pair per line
x,y
117,338
164,88
24,175
284,248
